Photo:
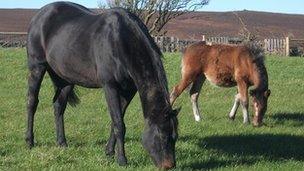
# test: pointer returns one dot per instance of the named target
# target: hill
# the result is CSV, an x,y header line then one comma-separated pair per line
x,y
193,25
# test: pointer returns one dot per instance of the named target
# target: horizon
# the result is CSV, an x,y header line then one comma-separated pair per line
x,y
271,6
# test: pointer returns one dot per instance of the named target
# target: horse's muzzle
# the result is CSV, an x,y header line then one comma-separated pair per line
x,y
167,164
257,121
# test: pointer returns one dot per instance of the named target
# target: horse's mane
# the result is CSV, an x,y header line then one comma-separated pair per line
x,y
256,50
258,55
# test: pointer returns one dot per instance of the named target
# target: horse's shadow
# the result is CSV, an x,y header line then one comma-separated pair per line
x,y
247,149
297,119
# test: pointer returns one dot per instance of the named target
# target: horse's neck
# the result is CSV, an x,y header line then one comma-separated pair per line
x,y
261,82
154,100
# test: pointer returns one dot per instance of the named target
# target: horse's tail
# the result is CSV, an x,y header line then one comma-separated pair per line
x,y
73,99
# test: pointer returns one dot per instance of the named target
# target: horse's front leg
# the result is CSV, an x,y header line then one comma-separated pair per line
x,y
119,130
243,93
125,100
235,107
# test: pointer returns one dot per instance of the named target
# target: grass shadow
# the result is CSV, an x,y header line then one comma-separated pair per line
x,y
247,149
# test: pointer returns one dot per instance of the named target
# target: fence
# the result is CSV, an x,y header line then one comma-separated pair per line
x,y
277,46
296,47
13,39
283,47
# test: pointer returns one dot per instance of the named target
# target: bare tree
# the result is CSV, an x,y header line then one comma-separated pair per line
x,y
156,13
244,33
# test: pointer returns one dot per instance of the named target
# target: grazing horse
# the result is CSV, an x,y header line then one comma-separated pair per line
x,y
113,51
226,66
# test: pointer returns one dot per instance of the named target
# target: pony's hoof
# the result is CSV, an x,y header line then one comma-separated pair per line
x,y
122,161
231,118
197,118
246,122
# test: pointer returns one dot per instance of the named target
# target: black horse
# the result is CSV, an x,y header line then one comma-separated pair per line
x,y
112,50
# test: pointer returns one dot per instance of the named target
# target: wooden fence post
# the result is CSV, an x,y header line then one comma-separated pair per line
x,y
287,46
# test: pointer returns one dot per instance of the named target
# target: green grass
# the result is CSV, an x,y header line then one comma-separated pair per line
x,y
215,143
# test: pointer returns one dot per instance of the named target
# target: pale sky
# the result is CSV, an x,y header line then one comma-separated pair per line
x,y
282,6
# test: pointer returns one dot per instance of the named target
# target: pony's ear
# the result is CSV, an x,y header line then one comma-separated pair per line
x,y
267,93
176,111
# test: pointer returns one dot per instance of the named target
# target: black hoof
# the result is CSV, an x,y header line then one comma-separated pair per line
x,y
122,161
231,118
62,144
29,142
110,153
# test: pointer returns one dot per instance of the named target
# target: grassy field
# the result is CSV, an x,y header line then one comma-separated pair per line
x,y
213,144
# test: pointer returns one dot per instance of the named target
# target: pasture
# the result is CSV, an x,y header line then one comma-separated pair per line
x,y
214,144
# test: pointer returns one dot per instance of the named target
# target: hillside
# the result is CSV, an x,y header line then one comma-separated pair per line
x,y
194,24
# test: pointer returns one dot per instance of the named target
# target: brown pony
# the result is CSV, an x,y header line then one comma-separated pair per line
x,y
226,66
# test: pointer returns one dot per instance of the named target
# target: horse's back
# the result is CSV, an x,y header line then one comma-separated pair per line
x,y
58,38
219,63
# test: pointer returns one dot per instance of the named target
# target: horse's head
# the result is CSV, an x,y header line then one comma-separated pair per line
x,y
259,99
159,140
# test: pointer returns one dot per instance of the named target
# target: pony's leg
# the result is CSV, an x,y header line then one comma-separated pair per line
x,y
124,103
194,93
60,102
113,101
34,82
187,79
234,107
242,89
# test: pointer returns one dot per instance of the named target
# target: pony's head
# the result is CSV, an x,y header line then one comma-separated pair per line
x,y
159,139
259,99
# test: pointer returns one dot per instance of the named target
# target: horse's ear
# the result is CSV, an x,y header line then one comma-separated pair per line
x,y
176,111
267,93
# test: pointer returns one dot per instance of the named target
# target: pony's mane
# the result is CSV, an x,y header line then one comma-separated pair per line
x,y
258,56
256,50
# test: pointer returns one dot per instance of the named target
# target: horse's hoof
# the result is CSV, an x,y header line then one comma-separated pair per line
x,y
62,144
198,119
29,142
122,161
246,122
231,118
110,153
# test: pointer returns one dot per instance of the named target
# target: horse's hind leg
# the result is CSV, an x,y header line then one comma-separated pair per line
x,y
34,82
235,106
187,78
124,102
194,93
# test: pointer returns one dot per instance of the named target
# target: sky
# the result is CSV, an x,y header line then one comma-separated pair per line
x,y
281,6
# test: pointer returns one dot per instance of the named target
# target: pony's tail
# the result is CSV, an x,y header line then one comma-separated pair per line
x,y
73,99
